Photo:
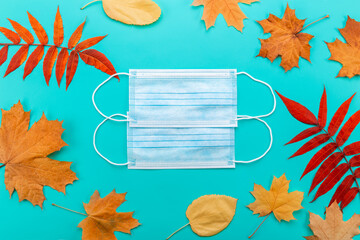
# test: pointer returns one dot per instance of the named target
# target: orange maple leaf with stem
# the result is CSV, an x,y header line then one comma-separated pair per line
x,y
102,219
287,40
24,154
63,61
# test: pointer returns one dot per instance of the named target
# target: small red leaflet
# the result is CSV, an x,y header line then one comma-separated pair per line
x,y
61,58
333,158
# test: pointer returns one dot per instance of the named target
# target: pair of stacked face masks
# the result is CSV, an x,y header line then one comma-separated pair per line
x,y
182,119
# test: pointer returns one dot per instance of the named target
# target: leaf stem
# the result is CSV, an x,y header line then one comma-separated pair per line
x,y
313,23
3,165
259,226
69,209
337,146
89,4
177,231
32,44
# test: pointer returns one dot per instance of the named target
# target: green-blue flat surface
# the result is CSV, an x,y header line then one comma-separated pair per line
x,y
178,40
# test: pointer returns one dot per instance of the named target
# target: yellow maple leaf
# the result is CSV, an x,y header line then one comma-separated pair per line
x,y
333,227
277,200
228,8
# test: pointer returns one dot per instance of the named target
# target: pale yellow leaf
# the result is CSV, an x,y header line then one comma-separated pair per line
x,y
210,214
134,12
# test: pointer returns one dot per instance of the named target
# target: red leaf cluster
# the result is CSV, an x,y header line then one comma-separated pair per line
x,y
63,58
332,158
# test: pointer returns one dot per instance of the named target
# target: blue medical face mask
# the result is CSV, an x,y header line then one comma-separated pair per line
x,y
181,119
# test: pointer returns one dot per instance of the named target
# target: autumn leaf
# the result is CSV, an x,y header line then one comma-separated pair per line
x,y
334,227
133,12
277,200
210,214
348,53
24,154
335,161
228,8
63,58
102,220
287,40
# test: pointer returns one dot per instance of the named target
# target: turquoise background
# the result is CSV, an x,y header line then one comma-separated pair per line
x,y
177,40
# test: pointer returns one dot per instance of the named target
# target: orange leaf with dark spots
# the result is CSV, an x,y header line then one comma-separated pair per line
x,y
33,60
61,65
71,67
76,36
12,36
3,54
17,60
38,29
88,43
23,32
58,29
24,154
49,62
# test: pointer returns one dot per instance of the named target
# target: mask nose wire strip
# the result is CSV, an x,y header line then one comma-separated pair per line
x,y
246,117
98,110
94,138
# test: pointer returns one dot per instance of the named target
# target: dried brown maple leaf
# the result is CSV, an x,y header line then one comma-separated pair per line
x,y
348,54
102,220
24,151
228,8
286,41
333,227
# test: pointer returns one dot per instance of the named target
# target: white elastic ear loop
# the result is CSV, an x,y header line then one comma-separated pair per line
x,y
94,138
93,99
272,92
246,117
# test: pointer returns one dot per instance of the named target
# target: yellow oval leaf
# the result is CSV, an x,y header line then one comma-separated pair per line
x,y
134,12
210,214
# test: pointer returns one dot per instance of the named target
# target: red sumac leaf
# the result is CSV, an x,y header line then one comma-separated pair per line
x,y
89,43
33,60
310,145
322,116
333,178
76,36
357,173
12,36
352,149
71,67
49,62
18,59
3,54
342,189
23,32
339,116
305,134
355,161
349,196
324,170
98,60
319,157
61,65
58,29
348,128
38,29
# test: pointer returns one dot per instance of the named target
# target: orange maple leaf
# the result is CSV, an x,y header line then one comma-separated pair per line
x,y
24,151
228,8
286,41
102,219
348,54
